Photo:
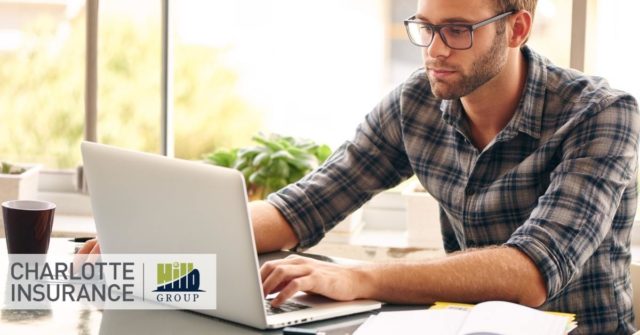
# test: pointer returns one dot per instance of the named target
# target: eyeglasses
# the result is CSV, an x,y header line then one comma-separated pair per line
x,y
457,36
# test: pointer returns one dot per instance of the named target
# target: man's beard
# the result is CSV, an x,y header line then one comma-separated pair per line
x,y
483,69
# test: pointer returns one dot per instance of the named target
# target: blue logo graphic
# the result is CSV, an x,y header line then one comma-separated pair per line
x,y
177,277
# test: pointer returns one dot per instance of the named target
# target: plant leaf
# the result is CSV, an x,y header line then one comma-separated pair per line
x,y
222,157
322,152
282,154
257,178
272,145
261,159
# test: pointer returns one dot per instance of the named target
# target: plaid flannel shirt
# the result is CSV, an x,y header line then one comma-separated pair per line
x,y
558,183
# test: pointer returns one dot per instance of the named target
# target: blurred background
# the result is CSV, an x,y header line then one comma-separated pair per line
x,y
302,68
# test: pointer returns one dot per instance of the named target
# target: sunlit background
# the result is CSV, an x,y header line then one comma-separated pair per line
x,y
294,67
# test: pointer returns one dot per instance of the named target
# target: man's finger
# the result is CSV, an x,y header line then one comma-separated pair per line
x,y
82,255
88,246
94,254
282,275
96,249
298,284
267,267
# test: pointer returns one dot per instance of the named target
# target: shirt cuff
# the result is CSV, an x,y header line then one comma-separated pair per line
x,y
536,243
303,217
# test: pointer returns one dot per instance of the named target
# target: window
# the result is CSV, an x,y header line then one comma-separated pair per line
x,y
404,57
129,63
612,47
41,91
551,31
239,67
292,67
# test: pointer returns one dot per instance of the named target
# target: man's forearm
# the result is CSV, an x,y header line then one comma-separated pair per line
x,y
270,229
500,273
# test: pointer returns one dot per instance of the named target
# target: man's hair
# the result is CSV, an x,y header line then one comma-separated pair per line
x,y
514,5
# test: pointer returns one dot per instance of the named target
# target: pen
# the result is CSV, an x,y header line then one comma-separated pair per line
x,y
300,331
81,239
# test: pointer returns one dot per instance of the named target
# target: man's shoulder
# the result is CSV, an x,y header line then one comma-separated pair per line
x,y
571,96
578,89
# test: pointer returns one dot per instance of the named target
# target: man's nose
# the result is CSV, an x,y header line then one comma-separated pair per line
x,y
438,48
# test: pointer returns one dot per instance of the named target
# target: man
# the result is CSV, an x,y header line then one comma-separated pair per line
x,y
534,168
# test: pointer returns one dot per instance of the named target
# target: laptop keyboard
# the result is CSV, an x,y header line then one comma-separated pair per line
x,y
286,307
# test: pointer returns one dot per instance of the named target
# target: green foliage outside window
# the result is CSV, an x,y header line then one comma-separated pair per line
x,y
42,95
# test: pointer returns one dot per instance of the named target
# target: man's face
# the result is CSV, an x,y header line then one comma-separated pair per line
x,y
456,73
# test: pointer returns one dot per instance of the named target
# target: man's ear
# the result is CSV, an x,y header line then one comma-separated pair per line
x,y
520,28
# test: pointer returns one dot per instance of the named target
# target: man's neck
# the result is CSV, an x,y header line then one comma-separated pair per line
x,y
490,107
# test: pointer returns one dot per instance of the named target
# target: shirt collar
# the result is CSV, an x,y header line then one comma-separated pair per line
x,y
452,112
528,115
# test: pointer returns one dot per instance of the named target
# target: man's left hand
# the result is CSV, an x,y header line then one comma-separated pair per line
x,y
296,273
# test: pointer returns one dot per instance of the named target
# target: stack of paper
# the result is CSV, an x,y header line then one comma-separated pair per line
x,y
494,317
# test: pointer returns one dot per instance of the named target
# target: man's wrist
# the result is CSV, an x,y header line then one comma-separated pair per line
x,y
365,282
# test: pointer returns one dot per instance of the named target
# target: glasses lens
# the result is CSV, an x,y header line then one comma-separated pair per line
x,y
419,33
457,37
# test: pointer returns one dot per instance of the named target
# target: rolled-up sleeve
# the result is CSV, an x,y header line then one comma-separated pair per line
x,y
597,163
373,161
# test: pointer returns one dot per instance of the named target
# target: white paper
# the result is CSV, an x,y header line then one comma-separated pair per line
x,y
440,322
495,318
503,318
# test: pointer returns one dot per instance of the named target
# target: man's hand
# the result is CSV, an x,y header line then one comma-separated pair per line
x,y
90,247
296,273
493,273
89,253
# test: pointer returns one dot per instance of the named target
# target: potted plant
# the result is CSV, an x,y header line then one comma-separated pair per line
x,y
273,163
17,181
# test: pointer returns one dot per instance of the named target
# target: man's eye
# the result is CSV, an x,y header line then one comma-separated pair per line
x,y
457,31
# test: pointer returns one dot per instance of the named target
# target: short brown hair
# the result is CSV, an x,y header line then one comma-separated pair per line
x,y
516,5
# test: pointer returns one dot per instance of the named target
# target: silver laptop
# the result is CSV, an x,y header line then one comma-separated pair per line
x,y
145,203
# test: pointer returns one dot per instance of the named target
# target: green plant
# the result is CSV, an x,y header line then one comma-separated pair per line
x,y
272,164
8,168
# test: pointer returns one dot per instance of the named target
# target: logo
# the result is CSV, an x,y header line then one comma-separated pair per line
x,y
177,277
116,281
175,280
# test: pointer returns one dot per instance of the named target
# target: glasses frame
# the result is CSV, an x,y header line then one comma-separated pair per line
x,y
437,28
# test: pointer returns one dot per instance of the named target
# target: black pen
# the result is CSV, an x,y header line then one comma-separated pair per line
x,y
301,331
81,239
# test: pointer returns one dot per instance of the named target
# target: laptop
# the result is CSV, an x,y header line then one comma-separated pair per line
x,y
146,203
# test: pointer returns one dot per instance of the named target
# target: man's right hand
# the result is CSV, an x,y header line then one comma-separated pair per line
x,y
89,253
90,247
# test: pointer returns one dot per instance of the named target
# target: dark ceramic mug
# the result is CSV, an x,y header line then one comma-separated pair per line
x,y
27,225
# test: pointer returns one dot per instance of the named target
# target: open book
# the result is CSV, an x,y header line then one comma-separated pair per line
x,y
487,318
